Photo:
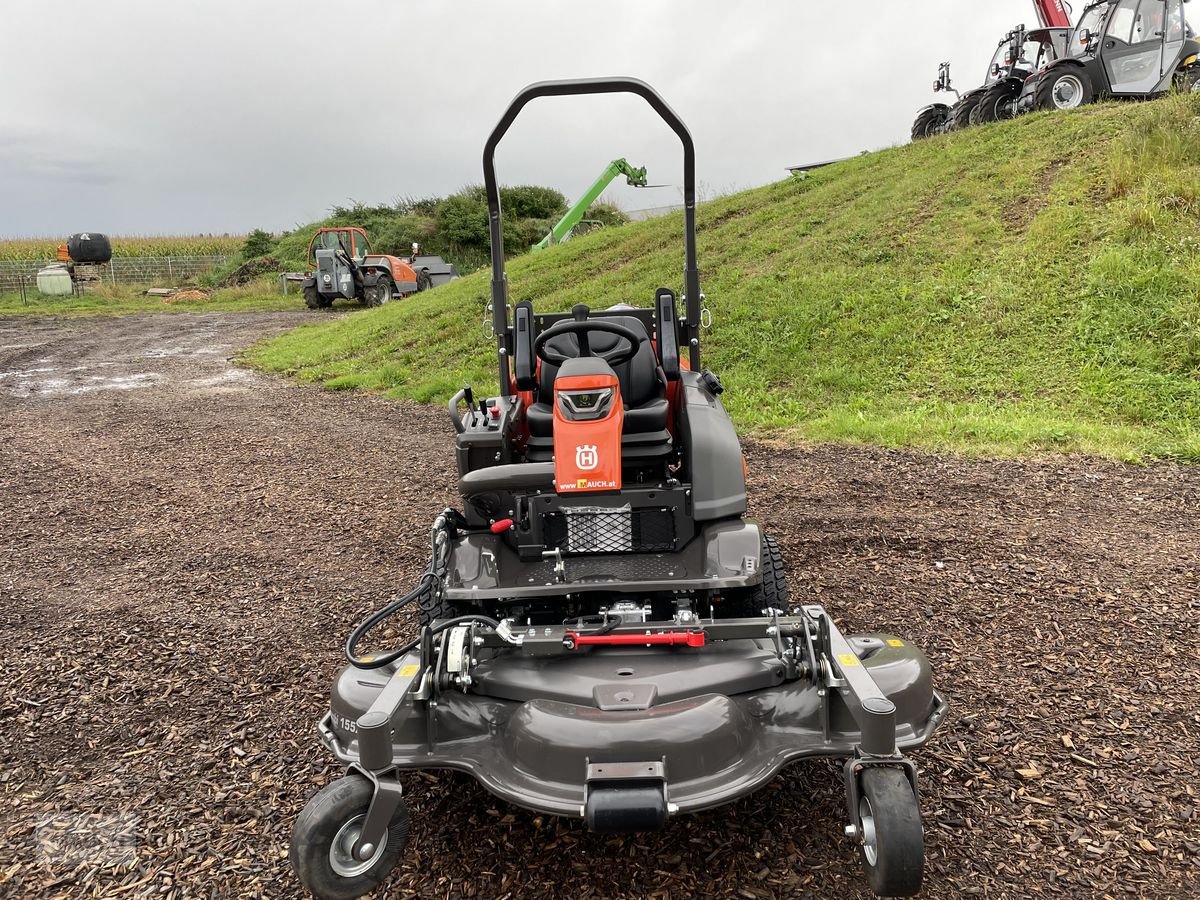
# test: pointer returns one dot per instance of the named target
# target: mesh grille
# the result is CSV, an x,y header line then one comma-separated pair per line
x,y
594,530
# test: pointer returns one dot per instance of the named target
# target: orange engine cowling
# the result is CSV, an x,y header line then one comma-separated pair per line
x,y
588,417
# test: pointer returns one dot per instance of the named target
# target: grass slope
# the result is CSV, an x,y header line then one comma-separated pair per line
x,y
1024,286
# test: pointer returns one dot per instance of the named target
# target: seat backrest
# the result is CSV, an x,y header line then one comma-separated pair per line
x,y
638,377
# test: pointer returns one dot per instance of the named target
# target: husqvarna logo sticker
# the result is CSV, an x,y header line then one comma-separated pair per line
x,y
586,457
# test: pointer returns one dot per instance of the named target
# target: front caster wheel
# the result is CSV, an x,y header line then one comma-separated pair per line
x,y
323,839
889,833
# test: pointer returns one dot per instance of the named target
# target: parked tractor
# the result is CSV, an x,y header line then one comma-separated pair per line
x,y
1123,48
343,267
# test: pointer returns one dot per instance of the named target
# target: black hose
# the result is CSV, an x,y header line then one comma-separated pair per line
x,y
444,526
608,624
360,630
378,662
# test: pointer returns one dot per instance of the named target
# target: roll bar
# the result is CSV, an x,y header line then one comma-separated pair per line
x,y
572,87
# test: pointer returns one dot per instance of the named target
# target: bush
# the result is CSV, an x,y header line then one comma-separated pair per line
x,y
528,201
258,243
607,214
462,218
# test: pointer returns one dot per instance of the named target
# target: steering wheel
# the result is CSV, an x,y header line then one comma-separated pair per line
x,y
621,353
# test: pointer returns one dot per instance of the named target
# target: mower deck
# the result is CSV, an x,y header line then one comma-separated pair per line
x,y
717,720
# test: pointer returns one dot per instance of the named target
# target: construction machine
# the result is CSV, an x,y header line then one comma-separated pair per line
x,y
1029,52
1122,48
574,216
342,266
1018,54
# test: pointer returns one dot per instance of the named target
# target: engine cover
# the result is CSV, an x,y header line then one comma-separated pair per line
x,y
588,417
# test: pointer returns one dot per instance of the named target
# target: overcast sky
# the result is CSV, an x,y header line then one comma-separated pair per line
x,y
154,117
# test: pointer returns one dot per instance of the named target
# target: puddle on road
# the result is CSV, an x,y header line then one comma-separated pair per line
x,y
166,352
56,382
39,383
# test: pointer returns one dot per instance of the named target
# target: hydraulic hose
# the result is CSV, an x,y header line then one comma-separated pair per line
x,y
360,630
378,662
444,527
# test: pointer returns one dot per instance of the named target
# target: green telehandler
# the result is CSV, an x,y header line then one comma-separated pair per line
x,y
566,225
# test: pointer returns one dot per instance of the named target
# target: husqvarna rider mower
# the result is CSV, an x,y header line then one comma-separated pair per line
x,y
604,634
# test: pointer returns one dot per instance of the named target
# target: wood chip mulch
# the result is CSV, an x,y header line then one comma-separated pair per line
x,y
182,559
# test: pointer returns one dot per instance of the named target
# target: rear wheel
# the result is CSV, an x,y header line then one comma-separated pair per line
x,y
1066,88
998,102
929,122
960,113
324,836
889,833
770,593
424,282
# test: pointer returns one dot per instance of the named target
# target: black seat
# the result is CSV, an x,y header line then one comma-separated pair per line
x,y
642,390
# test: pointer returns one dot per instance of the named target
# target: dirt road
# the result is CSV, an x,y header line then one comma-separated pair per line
x,y
184,546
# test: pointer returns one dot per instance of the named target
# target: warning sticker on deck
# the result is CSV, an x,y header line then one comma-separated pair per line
x,y
408,671
892,642
847,659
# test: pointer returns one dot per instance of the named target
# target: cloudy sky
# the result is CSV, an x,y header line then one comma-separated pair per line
x,y
157,117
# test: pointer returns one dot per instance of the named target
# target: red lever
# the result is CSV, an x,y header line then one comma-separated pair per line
x,y
501,525
667,638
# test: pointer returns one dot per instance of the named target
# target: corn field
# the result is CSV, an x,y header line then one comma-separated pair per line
x,y
40,249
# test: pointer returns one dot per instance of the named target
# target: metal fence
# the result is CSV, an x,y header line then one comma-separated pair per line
x,y
120,270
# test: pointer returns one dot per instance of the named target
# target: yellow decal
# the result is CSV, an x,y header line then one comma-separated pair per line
x,y
582,483
408,671
895,643
847,659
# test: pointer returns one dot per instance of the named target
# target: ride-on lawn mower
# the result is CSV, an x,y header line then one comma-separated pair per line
x,y
343,266
603,633
1123,48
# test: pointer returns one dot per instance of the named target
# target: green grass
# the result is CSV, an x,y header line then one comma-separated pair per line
x,y
260,296
1022,287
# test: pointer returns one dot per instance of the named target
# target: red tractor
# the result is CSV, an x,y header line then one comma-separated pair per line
x,y
343,266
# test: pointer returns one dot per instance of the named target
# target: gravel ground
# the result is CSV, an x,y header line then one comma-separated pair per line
x,y
186,544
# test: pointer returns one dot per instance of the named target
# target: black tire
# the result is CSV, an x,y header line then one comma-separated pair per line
x,y
380,293
424,282
891,837
770,593
959,116
1187,81
329,816
314,300
1066,87
929,122
997,102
